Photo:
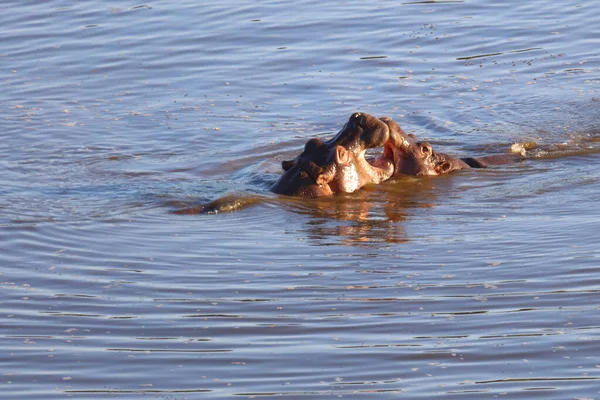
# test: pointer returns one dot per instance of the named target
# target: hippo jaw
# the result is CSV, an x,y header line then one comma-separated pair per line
x,y
361,172
380,168
361,133
338,165
348,170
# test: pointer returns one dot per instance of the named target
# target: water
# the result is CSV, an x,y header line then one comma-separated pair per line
x,y
480,284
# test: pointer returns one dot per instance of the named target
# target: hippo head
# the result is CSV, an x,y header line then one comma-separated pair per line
x,y
338,165
411,157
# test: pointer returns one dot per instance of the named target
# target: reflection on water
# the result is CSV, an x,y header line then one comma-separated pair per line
x,y
372,215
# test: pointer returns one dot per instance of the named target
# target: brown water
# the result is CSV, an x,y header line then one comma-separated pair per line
x,y
480,284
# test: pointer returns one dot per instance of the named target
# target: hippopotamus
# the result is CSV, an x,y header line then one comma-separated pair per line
x,y
338,165
411,157
324,168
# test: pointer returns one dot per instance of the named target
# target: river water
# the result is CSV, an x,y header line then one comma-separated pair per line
x,y
479,284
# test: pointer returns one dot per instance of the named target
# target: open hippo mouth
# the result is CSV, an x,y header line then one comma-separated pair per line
x,y
362,133
381,166
375,135
398,149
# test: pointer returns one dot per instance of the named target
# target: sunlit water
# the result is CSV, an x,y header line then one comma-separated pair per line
x,y
479,284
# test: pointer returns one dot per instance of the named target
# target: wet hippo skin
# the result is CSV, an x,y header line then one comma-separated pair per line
x,y
411,157
324,168
338,165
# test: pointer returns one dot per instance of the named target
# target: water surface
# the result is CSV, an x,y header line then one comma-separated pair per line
x,y
480,284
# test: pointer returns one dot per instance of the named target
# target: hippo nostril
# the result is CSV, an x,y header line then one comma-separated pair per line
x,y
357,118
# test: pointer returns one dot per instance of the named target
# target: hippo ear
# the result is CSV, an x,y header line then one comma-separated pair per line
x,y
443,167
342,156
